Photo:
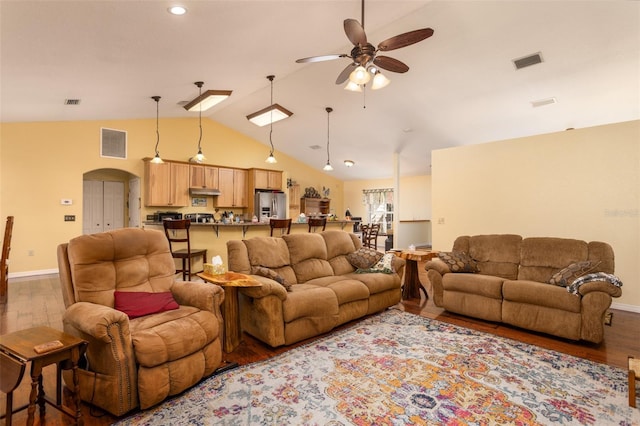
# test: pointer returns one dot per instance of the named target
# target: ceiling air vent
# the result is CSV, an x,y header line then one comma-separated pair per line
x,y
543,102
527,61
72,101
113,143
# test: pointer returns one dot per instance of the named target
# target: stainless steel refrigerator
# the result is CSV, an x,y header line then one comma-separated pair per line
x,y
271,204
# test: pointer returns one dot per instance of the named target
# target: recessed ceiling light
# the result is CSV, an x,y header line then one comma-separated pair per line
x,y
177,10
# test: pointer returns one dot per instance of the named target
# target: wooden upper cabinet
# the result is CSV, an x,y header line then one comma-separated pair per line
x,y
232,184
267,179
201,176
166,184
315,206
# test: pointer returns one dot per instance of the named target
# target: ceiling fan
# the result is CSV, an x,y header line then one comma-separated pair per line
x,y
365,59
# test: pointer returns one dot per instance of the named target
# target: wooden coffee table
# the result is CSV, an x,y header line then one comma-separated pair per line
x,y
18,348
230,282
412,285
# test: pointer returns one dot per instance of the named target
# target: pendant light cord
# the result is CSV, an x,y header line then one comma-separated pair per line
x,y
328,109
271,77
157,99
200,117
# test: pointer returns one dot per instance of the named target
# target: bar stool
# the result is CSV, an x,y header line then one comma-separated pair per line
x,y
283,224
317,223
177,231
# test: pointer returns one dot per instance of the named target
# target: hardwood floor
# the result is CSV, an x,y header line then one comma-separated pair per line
x,y
38,301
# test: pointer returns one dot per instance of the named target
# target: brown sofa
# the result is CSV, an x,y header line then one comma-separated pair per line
x,y
142,360
512,286
325,290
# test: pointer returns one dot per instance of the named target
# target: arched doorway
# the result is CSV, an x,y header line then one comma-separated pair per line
x,y
110,200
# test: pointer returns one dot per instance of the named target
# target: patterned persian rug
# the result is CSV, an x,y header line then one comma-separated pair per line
x,y
399,369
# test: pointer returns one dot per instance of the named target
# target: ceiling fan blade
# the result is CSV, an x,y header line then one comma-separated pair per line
x,y
355,32
344,75
390,64
321,58
405,39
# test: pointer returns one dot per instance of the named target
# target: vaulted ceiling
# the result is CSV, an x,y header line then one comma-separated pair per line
x,y
462,87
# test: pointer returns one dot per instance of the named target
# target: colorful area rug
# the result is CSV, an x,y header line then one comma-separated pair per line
x,y
399,369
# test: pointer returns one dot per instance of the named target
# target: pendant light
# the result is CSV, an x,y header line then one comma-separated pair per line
x,y
157,159
271,159
199,157
327,167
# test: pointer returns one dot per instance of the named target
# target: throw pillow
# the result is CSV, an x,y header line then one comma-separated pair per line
x,y
458,261
567,275
383,265
137,303
364,258
270,273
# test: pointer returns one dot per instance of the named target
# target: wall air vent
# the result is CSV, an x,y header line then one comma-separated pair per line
x,y
72,101
527,61
113,143
543,102
315,147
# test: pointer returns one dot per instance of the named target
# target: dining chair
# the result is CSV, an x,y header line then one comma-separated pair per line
x,y
317,222
283,224
370,235
177,232
4,262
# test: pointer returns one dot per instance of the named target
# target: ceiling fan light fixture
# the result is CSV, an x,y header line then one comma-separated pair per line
x,y
360,75
349,163
208,99
353,87
379,81
269,115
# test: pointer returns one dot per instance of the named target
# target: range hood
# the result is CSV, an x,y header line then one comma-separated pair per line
x,y
203,191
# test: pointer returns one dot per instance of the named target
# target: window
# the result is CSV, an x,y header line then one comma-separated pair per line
x,y
379,204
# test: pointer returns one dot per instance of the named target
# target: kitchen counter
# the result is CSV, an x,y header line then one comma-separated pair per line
x,y
248,225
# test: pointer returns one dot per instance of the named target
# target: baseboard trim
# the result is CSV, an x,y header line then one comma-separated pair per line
x,y
32,273
625,307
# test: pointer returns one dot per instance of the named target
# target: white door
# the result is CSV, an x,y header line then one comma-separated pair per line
x,y
113,200
92,206
103,206
135,204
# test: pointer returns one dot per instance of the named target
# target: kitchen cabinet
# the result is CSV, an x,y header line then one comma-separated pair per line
x,y
294,201
314,206
266,179
166,184
201,176
232,184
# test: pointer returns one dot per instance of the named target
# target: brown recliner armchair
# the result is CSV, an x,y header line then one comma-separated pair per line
x,y
138,361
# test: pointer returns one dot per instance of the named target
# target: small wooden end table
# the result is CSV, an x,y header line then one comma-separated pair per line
x,y
18,347
230,282
412,285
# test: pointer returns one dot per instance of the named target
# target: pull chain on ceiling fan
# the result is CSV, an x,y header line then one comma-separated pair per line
x,y
366,63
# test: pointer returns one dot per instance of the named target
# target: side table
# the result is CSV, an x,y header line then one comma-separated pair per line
x,y
18,348
412,285
230,282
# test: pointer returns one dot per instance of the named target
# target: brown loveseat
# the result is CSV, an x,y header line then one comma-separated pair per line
x,y
137,361
512,283
325,291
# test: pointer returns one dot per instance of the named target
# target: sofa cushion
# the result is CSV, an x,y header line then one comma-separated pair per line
x,y
306,300
458,261
497,255
138,303
541,257
377,283
159,338
540,294
268,252
338,243
482,285
364,257
346,289
567,275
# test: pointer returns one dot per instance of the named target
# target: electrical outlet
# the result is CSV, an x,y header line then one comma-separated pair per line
x,y
69,217
31,252
441,221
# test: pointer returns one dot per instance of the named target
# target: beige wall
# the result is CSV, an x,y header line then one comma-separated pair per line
x,y
581,184
41,163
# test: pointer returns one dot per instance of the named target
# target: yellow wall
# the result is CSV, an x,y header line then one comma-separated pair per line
x,y
581,184
44,162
